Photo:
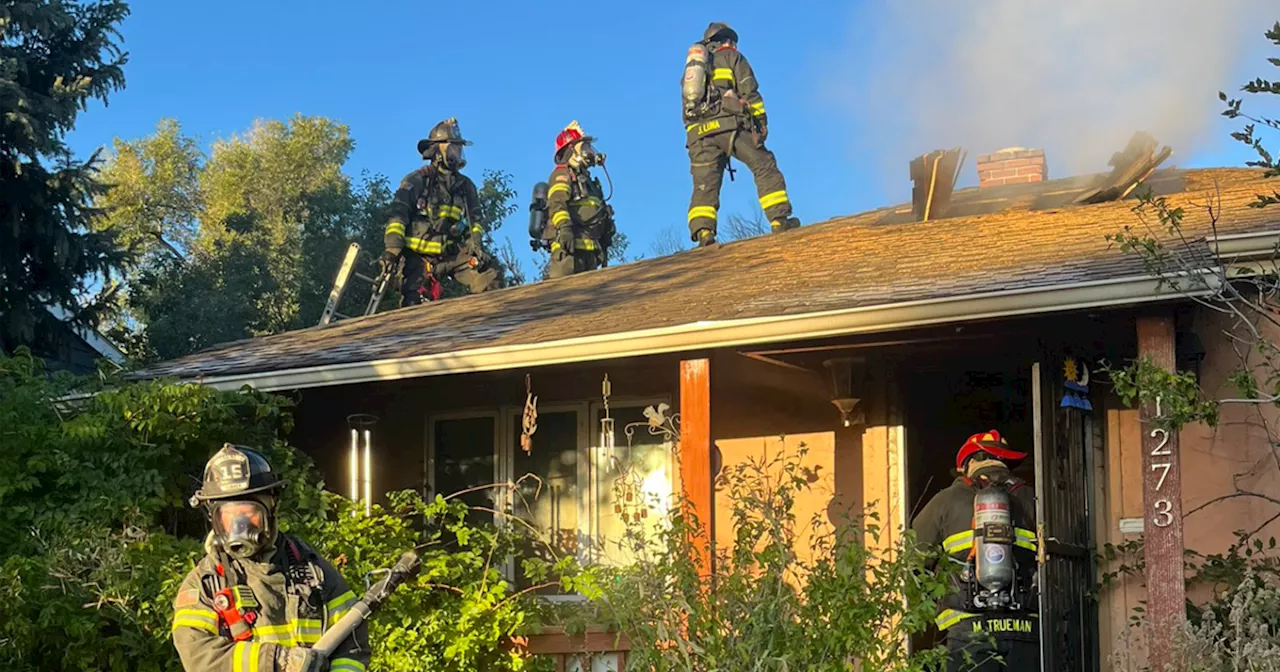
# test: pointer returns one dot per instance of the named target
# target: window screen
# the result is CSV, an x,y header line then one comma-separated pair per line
x,y
464,458
632,491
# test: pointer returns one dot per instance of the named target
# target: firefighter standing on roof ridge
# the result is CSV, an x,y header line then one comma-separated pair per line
x,y
258,600
984,521
724,117
432,222
580,228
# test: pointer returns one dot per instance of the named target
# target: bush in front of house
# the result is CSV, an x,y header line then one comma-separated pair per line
x,y
96,535
779,602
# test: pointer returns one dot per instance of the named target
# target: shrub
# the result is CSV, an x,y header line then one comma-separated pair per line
x,y
838,607
97,534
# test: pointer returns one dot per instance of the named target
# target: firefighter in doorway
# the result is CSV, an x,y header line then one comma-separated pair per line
x,y
983,521
581,225
432,222
724,117
259,599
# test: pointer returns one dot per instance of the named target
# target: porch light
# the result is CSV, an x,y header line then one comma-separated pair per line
x,y
360,468
847,377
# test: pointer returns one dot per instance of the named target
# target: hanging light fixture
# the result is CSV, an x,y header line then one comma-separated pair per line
x,y
847,378
360,467
607,437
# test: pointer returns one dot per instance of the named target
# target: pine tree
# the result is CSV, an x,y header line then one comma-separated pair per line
x,y
55,56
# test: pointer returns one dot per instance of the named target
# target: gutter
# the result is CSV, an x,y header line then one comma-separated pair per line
x,y
732,333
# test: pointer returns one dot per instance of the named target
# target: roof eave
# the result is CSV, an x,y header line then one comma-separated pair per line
x,y
733,333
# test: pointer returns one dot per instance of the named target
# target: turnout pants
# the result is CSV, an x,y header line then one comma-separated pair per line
x,y
994,643
708,158
567,263
416,287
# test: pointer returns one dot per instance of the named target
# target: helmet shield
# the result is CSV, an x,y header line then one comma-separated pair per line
x,y
243,527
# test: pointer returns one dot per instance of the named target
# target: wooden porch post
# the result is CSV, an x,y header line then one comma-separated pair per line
x,y
695,451
1161,503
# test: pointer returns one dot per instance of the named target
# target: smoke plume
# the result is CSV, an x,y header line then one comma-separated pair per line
x,y
1074,77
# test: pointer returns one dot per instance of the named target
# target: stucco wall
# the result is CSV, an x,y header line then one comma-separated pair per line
x,y
1215,462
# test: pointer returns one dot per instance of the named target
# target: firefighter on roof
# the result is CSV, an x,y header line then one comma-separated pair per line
x,y
724,117
984,522
432,222
579,226
258,599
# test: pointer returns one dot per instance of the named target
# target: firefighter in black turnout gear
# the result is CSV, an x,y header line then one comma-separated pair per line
x,y
432,222
724,117
571,218
984,522
258,600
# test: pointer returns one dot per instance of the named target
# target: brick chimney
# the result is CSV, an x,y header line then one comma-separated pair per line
x,y
1012,165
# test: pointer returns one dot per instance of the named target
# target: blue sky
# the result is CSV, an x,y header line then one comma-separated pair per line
x,y
515,73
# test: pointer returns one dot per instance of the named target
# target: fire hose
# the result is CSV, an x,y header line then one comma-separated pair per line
x,y
373,598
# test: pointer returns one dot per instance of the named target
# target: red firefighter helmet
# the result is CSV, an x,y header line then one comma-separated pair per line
x,y
571,135
991,443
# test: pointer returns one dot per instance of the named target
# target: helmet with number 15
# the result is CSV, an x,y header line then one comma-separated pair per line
x,y
239,495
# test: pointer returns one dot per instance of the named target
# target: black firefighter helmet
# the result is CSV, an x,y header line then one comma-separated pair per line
x,y
448,134
239,497
720,32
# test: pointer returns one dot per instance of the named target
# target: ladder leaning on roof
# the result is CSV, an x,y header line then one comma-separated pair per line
x,y
379,285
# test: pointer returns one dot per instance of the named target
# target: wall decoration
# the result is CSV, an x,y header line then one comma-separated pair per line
x,y
1076,383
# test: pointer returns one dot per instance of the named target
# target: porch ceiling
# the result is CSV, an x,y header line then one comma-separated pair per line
x,y
849,275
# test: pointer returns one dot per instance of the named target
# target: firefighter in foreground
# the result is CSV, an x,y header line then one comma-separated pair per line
x,y
571,217
984,522
258,599
724,117
432,222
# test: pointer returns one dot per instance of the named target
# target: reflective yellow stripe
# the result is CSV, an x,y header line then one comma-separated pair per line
x,y
724,74
308,630
584,244
424,246
476,229
960,541
559,187
690,127
560,217
343,601
244,656
346,665
394,228
757,109
702,211
1025,539
556,246
950,617
199,619
775,198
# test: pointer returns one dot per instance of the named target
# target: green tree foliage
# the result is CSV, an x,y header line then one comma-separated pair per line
x,y
246,240
774,606
55,56
98,536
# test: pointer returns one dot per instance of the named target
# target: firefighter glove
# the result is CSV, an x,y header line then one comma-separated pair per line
x,y
564,236
297,659
764,132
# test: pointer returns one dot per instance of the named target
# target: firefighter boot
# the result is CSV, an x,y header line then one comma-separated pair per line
x,y
784,224
706,238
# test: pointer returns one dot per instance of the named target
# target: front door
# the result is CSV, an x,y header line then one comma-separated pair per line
x,y
1064,436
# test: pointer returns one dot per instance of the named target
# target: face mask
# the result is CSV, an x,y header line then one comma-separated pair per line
x,y
452,156
242,527
584,155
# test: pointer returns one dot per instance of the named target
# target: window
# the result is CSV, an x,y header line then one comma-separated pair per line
x,y
461,455
635,486
579,498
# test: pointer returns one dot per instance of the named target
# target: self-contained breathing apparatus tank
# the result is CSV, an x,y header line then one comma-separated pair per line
x,y
993,580
538,216
697,80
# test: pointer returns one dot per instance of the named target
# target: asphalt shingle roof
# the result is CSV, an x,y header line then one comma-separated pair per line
x,y
1033,239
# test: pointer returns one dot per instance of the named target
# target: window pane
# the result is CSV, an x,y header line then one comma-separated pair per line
x,y
634,489
548,492
464,458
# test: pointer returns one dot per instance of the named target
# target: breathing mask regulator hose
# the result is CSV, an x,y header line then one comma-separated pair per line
x,y
610,180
